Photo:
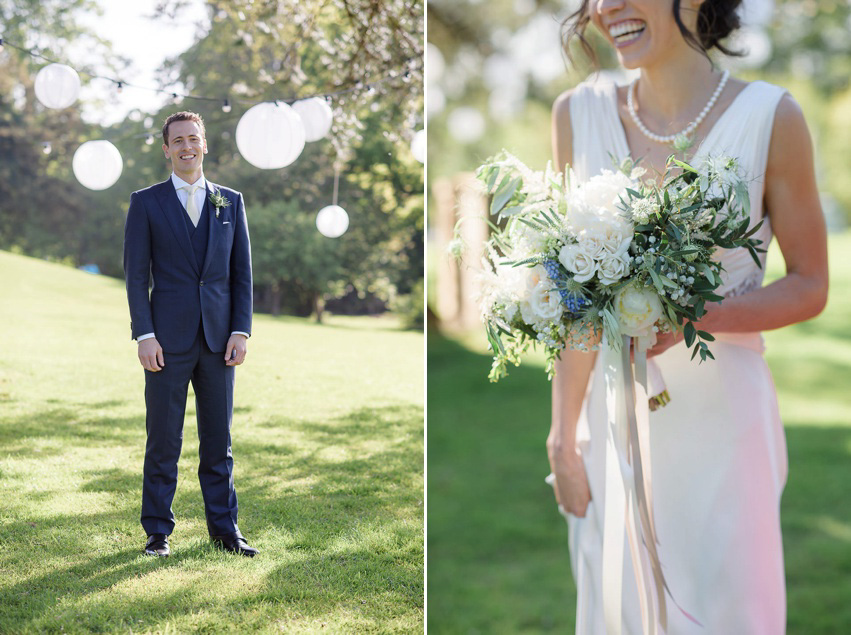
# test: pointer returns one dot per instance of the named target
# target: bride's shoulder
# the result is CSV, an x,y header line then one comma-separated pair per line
x,y
585,92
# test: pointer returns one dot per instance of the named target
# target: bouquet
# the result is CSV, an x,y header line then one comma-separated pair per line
x,y
569,264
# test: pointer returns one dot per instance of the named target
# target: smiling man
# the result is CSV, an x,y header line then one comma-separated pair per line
x,y
187,264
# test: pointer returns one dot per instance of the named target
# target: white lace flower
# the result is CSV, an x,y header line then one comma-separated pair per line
x,y
643,209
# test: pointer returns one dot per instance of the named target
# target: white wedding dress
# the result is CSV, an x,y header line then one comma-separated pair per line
x,y
718,450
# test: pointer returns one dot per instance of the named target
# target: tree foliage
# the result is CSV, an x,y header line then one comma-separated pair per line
x,y
252,51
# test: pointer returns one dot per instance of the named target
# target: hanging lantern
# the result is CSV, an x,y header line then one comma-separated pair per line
x,y
97,164
57,86
332,221
316,115
270,135
418,146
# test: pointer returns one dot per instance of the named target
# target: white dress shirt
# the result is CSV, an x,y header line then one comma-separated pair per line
x,y
183,197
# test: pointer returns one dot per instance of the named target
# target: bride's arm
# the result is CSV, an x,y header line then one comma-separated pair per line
x,y
792,204
572,370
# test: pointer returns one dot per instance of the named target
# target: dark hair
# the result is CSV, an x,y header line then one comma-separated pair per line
x,y
716,19
183,116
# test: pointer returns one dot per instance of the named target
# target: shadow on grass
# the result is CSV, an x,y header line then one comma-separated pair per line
x,y
80,425
498,560
340,520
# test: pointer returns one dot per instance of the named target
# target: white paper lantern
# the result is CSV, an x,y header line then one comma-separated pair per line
x,y
316,115
57,86
332,221
418,146
270,136
97,164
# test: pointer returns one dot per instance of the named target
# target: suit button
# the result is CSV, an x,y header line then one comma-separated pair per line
x,y
201,283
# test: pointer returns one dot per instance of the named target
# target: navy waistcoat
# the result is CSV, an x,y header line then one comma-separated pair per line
x,y
198,235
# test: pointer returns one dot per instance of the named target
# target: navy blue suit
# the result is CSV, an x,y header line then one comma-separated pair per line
x,y
201,292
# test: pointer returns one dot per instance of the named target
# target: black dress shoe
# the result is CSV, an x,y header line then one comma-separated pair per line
x,y
157,545
235,543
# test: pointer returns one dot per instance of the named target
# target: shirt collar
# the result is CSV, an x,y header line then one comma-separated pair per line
x,y
179,183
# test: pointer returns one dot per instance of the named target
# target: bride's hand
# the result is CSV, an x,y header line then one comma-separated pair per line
x,y
664,341
571,485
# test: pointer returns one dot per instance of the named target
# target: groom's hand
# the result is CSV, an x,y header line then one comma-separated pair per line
x,y
151,355
235,350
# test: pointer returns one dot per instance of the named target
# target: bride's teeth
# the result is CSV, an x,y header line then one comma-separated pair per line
x,y
626,31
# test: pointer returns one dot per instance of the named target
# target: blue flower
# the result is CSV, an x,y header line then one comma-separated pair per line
x,y
573,301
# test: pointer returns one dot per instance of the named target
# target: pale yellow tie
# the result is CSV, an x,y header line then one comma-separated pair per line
x,y
191,205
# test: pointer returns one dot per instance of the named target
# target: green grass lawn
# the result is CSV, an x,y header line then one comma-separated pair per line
x,y
328,455
497,548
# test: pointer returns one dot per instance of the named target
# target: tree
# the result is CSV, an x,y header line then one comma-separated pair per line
x,y
253,51
288,253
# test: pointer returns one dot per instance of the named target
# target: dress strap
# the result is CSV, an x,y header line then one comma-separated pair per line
x,y
744,131
598,136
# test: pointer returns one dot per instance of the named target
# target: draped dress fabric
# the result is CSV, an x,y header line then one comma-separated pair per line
x,y
718,450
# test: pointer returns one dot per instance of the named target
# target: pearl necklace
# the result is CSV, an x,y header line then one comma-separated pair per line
x,y
681,138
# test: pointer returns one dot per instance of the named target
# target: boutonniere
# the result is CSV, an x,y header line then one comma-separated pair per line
x,y
218,201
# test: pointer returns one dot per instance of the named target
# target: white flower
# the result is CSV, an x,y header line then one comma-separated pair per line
x,y
525,241
542,302
612,268
456,248
546,302
637,309
578,261
643,209
594,206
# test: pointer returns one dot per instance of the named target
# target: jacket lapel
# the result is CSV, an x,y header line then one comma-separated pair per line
x,y
214,229
172,210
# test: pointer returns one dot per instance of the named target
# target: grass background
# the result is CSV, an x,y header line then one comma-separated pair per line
x,y
497,548
328,458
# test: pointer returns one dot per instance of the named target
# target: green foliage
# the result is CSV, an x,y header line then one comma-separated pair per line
x,y
411,307
328,453
287,248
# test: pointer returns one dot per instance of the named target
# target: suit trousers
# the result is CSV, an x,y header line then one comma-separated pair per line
x,y
165,398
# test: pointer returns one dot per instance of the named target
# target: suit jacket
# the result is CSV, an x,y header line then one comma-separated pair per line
x,y
157,248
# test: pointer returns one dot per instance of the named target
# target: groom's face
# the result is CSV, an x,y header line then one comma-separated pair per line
x,y
186,146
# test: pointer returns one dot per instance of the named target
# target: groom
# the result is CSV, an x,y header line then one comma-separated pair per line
x,y
187,264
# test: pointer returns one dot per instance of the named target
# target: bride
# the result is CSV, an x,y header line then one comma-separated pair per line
x,y
718,453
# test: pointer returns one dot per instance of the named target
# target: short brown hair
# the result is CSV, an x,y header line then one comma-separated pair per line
x,y
183,116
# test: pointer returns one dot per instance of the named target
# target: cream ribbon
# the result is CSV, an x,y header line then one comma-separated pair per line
x,y
629,494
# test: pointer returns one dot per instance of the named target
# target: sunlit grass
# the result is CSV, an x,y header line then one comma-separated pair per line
x,y
327,442
498,560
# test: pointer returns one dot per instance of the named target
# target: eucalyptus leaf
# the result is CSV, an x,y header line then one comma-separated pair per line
x,y
504,193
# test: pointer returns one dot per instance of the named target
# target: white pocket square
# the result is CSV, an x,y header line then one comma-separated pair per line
x,y
227,222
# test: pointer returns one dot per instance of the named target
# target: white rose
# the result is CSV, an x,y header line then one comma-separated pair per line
x,y
637,309
612,268
578,261
546,302
593,242
616,244
541,302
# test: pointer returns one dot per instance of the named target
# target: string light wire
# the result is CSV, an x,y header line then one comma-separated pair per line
x,y
410,63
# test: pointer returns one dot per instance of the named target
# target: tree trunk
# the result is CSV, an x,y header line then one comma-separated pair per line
x,y
318,306
275,299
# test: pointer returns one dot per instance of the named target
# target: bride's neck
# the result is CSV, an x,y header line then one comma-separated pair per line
x,y
672,89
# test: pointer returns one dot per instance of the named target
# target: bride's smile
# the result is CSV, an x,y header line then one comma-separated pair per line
x,y
643,31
